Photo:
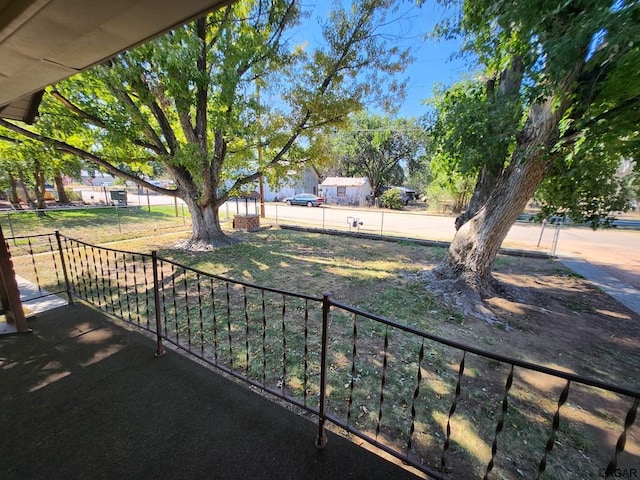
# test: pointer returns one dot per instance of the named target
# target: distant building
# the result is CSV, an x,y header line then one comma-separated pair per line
x,y
345,190
96,178
304,182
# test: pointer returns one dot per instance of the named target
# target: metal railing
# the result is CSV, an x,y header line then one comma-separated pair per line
x,y
448,409
38,261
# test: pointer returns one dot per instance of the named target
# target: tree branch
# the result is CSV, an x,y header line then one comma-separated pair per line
x,y
65,147
156,146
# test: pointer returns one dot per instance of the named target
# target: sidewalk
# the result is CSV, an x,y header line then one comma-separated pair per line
x,y
621,291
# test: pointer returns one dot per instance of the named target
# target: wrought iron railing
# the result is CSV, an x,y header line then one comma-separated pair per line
x,y
37,259
448,409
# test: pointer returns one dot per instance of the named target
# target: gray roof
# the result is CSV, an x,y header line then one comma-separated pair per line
x,y
345,182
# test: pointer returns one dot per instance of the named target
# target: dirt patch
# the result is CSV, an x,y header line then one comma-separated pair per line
x,y
554,316
551,317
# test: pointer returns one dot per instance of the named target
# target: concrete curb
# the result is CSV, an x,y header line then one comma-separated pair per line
x,y
624,293
427,243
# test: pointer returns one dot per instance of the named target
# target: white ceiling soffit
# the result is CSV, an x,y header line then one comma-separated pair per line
x,y
45,41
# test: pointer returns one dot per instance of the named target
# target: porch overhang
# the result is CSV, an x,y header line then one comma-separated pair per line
x,y
45,41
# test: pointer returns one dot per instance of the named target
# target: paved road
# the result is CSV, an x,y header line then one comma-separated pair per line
x,y
614,250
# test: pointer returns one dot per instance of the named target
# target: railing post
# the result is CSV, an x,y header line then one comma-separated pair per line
x,y
156,299
64,269
321,441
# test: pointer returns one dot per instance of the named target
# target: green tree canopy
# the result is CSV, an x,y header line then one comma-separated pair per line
x,y
189,100
379,148
566,67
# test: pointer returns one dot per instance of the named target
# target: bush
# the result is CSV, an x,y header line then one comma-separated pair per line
x,y
73,196
392,199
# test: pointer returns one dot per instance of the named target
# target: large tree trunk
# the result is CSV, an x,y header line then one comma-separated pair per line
x,y
509,85
15,198
40,189
25,192
62,194
206,229
477,242
487,180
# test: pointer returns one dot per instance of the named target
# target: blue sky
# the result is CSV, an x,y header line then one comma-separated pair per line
x,y
433,63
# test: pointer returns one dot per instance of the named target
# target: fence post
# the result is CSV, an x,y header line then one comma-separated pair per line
x,y
555,239
544,224
321,441
118,215
64,268
156,299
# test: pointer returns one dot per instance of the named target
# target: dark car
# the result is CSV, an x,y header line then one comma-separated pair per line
x,y
308,199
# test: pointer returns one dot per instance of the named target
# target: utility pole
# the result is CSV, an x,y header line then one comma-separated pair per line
x,y
260,179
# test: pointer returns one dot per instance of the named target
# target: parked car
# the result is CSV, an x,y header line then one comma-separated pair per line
x,y
308,199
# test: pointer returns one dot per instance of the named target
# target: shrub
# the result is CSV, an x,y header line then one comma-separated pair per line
x,y
392,199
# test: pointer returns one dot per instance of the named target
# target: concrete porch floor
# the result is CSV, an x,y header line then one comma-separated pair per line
x,y
82,397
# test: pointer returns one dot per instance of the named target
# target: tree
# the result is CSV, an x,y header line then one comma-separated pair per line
x,y
474,127
34,163
379,148
576,58
189,102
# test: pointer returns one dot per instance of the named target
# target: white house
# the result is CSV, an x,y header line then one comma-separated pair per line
x,y
345,190
304,182
96,178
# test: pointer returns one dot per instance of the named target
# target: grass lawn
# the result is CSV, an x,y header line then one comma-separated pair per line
x,y
556,319
559,321
97,224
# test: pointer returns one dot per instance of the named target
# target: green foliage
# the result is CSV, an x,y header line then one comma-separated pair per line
x,y
32,163
581,57
191,99
471,127
379,148
392,198
586,188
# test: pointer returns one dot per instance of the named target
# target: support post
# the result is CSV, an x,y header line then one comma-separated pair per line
x,y
544,224
555,240
118,215
10,294
156,300
321,441
64,269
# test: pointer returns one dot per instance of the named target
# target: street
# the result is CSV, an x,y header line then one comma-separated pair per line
x,y
614,250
